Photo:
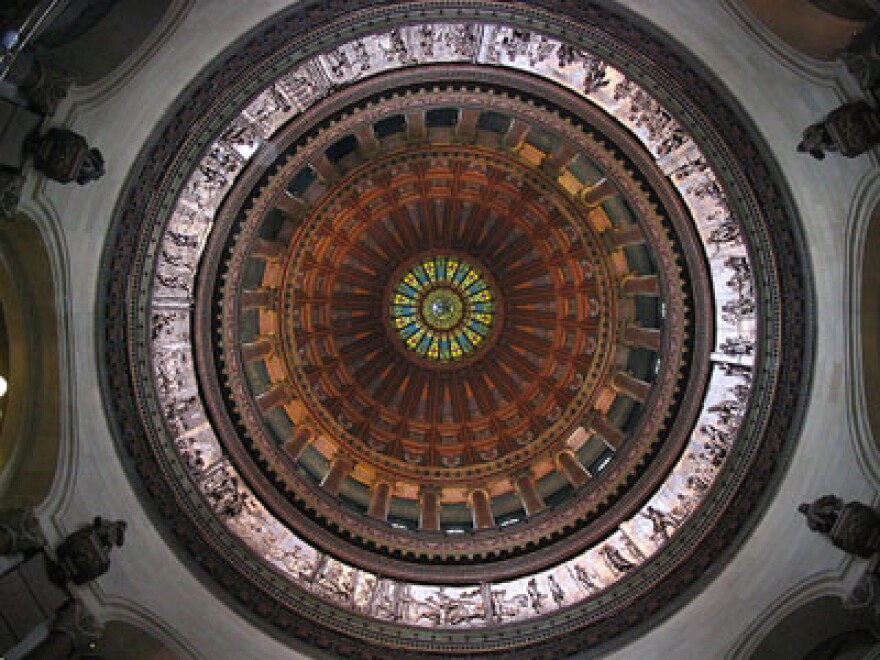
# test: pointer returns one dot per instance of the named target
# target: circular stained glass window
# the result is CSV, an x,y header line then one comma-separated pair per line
x,y
443,308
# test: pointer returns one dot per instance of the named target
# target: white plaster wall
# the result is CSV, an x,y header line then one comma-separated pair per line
x,y
148,585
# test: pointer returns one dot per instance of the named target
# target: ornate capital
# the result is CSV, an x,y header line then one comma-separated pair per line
x,y
85,555
851,130
65,156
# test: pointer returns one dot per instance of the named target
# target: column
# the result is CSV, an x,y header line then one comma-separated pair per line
x,y
368,144
296,445
572,468
291,206
596,194
340,468
641,285
650,338
273,397
629,235
528,493
516,135
481,508
429,507
268,250
380,500
633,387
466,129
416,129
554,163
253,298
612,435
327,172
259,348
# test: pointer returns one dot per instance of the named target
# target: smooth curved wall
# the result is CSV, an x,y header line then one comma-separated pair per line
x,y
123,640
30,430
92,49
870,324
820,623
805,27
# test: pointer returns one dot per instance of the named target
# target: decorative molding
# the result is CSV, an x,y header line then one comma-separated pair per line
x,y
827,74
838,583
784,362
863,211
82,99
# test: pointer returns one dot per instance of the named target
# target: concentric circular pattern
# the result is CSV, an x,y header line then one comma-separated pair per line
x,y
597,448
535,380
338,411
443,309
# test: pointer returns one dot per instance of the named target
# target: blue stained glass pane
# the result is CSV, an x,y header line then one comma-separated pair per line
x,y
479,327
407,289
466,345
475,299
420,273
408,330
424,343
414,341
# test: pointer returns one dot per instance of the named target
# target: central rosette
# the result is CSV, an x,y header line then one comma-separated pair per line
x,y
443,308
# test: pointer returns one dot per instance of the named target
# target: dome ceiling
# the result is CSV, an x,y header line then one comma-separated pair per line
x,y
453,325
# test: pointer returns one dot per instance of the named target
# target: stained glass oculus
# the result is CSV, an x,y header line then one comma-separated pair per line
x,y
443,308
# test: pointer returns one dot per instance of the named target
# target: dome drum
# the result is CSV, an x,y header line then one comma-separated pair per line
x,y
412,456
521,302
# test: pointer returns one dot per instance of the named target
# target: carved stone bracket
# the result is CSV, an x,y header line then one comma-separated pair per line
x,y
43,87
85,555
853,527
65,156
851,130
